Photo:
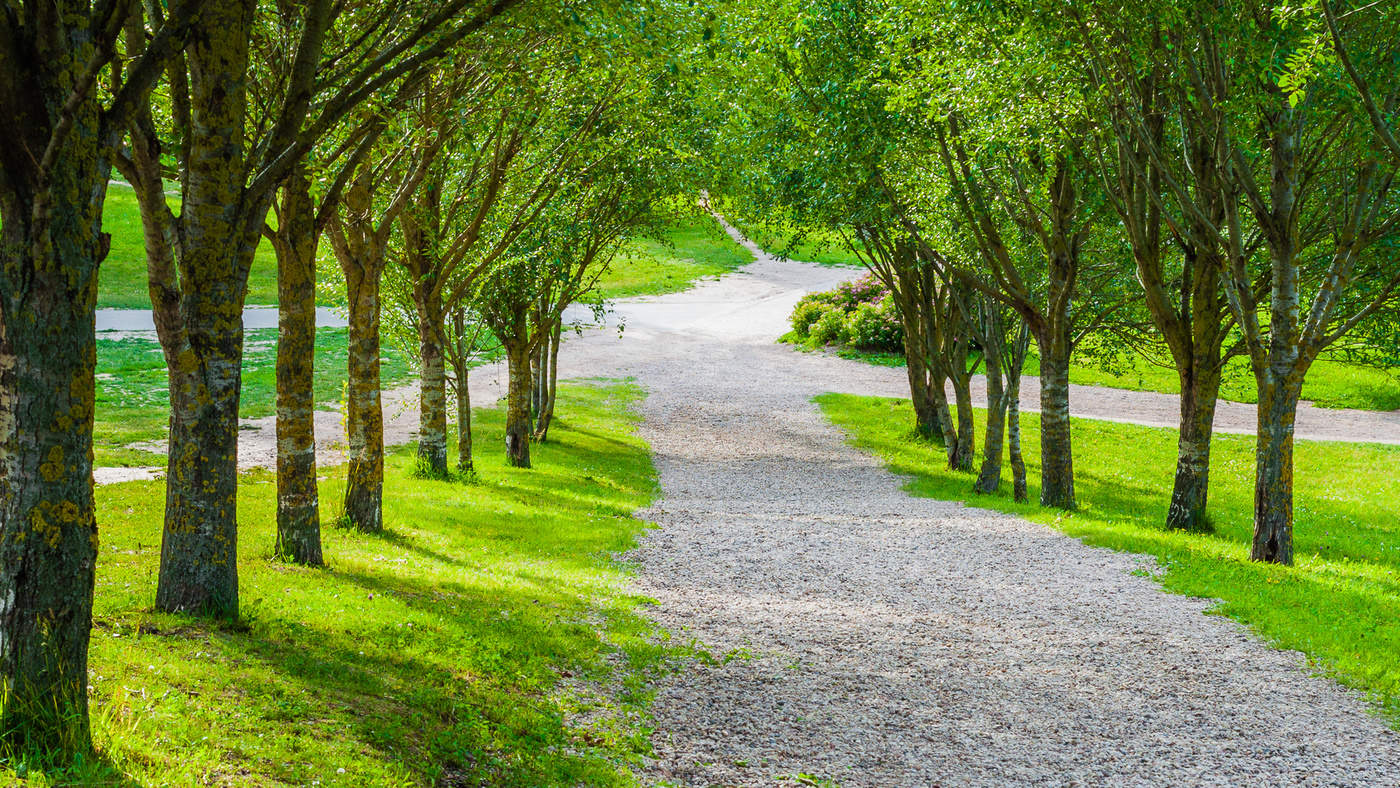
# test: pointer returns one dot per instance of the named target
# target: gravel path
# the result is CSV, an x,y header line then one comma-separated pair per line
x,y
882,640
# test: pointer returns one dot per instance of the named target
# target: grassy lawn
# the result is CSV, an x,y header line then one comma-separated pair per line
x,y
484,639
122,278
133,395
1338,604
694,249
1330,383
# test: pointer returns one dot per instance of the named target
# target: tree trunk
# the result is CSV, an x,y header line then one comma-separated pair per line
x,y
1273,484
962,457
48,527
989,478
199,549
432,414
1019,491
1200,390
464,419
364,412
551,384
221,227
298,512
1056,457
518,405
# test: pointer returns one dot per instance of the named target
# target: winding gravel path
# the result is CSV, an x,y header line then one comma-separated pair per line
x,y
882,640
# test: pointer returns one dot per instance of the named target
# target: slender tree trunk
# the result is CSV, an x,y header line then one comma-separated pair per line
x,y
1056,456
537,374
989,478
962,457
432,419
1273,485
518,405
48,527
550,385
298,511
464,418
1200,390
1013,438
364,412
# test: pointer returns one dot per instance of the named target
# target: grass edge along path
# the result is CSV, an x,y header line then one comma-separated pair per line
x,y
1336,605
487,637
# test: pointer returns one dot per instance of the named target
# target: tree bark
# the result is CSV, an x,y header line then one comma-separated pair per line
x,y
1056,457
989,478
464,419
1273,485
1200,390
432,414
518,405
364,411
48,526
550,385
1019,490
298,510
962,457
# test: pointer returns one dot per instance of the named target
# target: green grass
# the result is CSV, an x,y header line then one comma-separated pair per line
x,y
694,249
1330,383
1338,604
485,637
121,280
132,388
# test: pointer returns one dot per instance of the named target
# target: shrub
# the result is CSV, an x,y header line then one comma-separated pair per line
x,y
876,327
830,328
865,290
807,312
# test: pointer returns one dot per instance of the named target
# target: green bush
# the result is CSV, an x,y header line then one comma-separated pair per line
x,y
876,327
807,312
831,328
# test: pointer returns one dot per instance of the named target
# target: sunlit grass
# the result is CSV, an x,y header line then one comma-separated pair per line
x,y
486,635
1338,604
133,390
694,249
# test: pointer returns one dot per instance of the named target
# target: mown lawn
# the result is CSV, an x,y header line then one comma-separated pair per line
x,y
121,281
133,403
1330,383
694,249
484,639
1338,604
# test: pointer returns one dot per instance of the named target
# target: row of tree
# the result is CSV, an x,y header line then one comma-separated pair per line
x,y
1212,179
476,162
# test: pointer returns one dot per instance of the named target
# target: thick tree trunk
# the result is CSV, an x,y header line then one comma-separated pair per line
x,y
1273,484
432,414
1200,390
298,511
199,549
550,385
989,478
220,230
1056,456
48,527
518,405
364,412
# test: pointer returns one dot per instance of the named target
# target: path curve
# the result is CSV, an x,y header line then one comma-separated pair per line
x,y
881,640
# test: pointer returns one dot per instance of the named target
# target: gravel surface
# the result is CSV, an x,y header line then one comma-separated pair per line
x,y
875,639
